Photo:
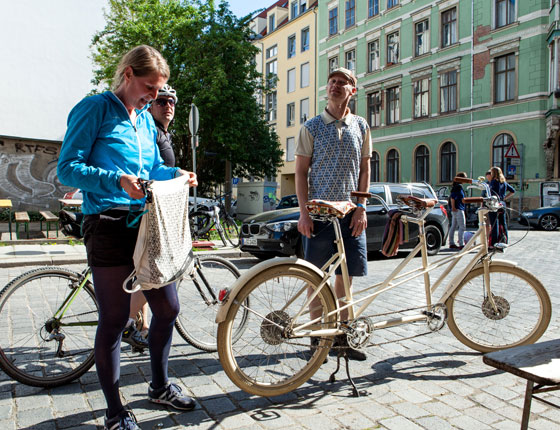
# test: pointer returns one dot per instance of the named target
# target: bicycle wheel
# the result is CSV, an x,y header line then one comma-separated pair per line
x,y
198,296
37,348
523,309
265,361
200,223
231,231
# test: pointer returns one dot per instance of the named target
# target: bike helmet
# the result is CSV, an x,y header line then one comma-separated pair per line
x,y
166,90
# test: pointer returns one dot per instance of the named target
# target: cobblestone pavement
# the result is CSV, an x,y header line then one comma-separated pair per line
x,y
424,382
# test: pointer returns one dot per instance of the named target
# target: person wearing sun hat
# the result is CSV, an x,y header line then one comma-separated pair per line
x,y
333,159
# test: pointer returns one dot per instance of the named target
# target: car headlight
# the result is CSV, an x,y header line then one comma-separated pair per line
x,y
282,226
527,214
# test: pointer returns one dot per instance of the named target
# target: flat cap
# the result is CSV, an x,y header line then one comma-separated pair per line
x,y
346,73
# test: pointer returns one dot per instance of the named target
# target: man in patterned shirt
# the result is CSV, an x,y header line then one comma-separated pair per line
x,y
332,159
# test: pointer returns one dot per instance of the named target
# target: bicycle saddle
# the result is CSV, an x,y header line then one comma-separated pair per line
x,y
324,207
417,202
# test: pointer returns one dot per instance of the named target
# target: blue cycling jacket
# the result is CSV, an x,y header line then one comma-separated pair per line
x,y
101,144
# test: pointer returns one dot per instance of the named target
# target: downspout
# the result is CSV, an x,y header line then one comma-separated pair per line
x,y
316,29
472,87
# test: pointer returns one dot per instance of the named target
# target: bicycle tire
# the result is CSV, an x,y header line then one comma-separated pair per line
x,y
200,223
27,306
196,322
231,231
263,361
524,304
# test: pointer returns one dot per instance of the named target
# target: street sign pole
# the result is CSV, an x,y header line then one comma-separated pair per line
x,y
193,127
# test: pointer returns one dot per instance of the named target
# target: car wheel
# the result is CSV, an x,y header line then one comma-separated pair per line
x,y
548,222
433,239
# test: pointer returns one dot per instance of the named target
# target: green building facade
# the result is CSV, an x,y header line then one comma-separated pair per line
x,y
451,85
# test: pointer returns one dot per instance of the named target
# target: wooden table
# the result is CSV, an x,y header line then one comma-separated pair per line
x,y
7,204
72,203
539,364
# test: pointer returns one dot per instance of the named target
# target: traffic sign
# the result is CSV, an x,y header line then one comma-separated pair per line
x,y
193,119
512,151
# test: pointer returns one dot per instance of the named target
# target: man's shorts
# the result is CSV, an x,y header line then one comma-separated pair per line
x,y
319,248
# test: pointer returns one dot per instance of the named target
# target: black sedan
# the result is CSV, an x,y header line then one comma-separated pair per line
x,y
545,218
275,233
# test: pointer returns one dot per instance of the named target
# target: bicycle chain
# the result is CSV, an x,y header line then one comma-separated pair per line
x,y
370,345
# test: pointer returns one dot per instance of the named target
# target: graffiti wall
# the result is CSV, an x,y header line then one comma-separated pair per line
x,y
28,174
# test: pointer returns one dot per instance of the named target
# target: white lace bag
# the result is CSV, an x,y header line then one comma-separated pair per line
x,y
163,250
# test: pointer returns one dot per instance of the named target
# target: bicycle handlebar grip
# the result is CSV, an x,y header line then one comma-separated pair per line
x,y
462,180
360,194
473,199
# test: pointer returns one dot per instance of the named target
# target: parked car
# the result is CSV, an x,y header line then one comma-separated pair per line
x,y
545,218
275,233
290,201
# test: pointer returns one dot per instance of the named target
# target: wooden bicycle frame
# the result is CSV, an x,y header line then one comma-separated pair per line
x,y
396,278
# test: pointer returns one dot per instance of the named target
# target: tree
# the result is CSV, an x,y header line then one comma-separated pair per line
x,y
212,63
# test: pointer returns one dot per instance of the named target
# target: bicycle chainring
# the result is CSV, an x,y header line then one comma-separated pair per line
x,y
502,306
437,316
271,333
359,334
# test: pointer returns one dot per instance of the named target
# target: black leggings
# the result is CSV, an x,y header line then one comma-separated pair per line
x,y
114,307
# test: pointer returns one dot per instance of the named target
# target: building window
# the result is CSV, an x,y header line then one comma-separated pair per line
x,y
373,55
504,78
271,73
393,109
421,98
392,3
350,63
272,52
422,164
291,80
290,114
373,8
304,75
350,13
422,39
271,23
505,12
294,8
374,163
303,110
333,64
393,166
352,105
302,6
374,109
393,48
499,147
333,21
448,91
448,157
291,46
449,27
290,149
304,39
271,106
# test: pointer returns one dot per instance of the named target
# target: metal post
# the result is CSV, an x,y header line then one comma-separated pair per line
x,y
194,144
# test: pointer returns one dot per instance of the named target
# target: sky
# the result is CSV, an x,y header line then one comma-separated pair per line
x,y
244,7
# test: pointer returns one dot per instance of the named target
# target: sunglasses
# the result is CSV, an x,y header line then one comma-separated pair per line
x,y
163,102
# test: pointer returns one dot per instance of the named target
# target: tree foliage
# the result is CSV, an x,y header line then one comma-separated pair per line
x,y
212,64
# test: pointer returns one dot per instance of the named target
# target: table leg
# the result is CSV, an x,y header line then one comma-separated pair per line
x,y
527,405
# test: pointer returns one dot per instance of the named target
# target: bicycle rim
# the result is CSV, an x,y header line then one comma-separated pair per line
x,y
231,231
264,361
28,352
196,322
522,314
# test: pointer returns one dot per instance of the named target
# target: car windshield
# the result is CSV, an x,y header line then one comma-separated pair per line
x,y
422,192
378,190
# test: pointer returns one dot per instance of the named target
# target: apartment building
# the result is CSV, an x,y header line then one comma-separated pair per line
x,y
451,86
286,37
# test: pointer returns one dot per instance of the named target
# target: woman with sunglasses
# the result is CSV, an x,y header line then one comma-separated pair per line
x,y
110,143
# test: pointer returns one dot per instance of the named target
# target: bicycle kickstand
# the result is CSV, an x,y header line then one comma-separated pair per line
x,y
332,378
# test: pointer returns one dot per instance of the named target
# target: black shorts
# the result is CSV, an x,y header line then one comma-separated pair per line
x,y
108,239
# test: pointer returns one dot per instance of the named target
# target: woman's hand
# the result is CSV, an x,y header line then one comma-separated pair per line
x,y
193,182
131,185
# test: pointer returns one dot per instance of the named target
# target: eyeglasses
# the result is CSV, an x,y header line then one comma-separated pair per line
x,y
163,102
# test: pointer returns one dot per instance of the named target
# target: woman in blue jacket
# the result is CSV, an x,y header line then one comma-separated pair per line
x,y
110,143
500,188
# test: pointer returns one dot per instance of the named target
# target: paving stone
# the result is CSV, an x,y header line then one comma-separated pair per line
x,y
413,395
207,391
217,406
236,420
434,423
34,417
482,414
400,423
468,423
456,401
409,410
